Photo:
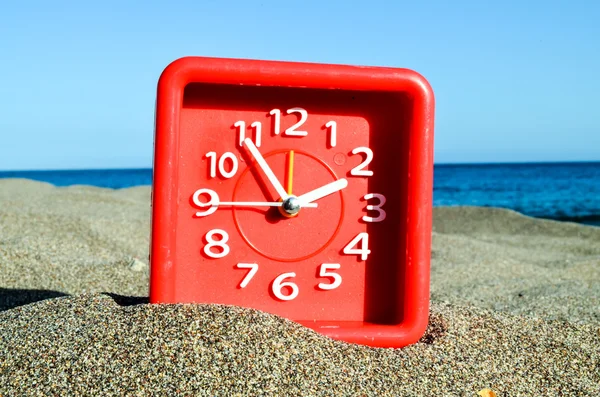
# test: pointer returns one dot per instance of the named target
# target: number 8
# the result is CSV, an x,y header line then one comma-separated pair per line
x,y
222,243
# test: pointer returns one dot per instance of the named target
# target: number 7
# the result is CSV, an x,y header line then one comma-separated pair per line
x,y
253,269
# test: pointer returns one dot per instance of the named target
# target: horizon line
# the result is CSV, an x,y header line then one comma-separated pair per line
x,y
443,164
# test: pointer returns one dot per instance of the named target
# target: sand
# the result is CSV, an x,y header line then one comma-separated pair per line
x,y
515,308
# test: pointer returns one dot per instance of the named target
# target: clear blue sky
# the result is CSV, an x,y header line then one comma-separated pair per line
x,y
514,80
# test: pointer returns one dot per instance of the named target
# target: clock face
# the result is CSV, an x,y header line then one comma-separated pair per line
x,y
302,190
281,205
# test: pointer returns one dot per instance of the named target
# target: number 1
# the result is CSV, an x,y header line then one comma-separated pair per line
x,y
276,121
332,126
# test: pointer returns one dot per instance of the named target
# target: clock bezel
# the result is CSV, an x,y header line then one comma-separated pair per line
x,y
229,71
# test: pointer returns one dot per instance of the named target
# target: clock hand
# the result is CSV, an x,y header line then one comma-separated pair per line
x,y
323,191
258,204
290,172
214,205
266,169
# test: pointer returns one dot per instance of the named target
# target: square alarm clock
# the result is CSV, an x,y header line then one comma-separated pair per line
x,y
299,189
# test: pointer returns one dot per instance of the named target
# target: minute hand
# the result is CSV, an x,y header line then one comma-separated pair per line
x,y
266,169
323,191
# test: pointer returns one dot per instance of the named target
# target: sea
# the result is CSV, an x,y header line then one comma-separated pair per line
x,y
559,191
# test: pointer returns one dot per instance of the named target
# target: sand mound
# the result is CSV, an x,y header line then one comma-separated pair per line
x,y
502,260
92,345
516,308
74,239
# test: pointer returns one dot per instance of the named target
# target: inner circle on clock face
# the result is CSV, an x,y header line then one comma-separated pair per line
x,y
288,239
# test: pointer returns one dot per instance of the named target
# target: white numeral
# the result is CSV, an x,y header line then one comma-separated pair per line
x,y
332,126
377,207
253,269
276,120
241,127
221,243
363,251
303,116
276,113
212,204
278,284
358,170
212,156
257,126
323,272
213,164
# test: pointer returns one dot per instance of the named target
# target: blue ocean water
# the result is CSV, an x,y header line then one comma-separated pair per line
x,y
560,191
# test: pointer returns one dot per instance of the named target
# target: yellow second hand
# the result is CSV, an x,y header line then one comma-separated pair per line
x,y
290,173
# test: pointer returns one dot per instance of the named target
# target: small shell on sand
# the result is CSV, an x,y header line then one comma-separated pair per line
x,y
137,265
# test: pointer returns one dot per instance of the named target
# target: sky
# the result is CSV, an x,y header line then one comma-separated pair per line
x,y
514,81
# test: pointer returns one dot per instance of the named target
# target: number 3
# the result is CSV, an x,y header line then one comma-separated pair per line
x,y
377,207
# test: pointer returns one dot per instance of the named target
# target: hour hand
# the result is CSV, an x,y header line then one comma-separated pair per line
x,y
323,191
266,169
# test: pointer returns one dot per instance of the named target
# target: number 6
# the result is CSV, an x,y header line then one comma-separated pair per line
x,y
278,284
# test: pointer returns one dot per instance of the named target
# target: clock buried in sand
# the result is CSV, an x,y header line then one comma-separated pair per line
x,y
302,190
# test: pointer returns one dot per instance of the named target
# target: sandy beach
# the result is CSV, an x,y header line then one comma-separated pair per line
x,y
515,309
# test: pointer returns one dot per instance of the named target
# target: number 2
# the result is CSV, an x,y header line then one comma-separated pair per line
x,y
358,170
303,116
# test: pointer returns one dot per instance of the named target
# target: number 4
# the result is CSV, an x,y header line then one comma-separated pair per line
x,y
363,251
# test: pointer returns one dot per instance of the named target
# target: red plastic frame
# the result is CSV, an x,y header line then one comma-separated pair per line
x,y
181,72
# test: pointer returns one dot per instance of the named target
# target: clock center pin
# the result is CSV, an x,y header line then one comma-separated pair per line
x,y
291,206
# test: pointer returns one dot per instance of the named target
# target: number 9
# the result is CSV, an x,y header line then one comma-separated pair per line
x,y
213,203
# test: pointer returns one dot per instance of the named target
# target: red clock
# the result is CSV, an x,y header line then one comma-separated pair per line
x,y
302,190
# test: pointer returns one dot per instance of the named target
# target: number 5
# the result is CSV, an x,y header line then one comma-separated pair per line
x,y
323,272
